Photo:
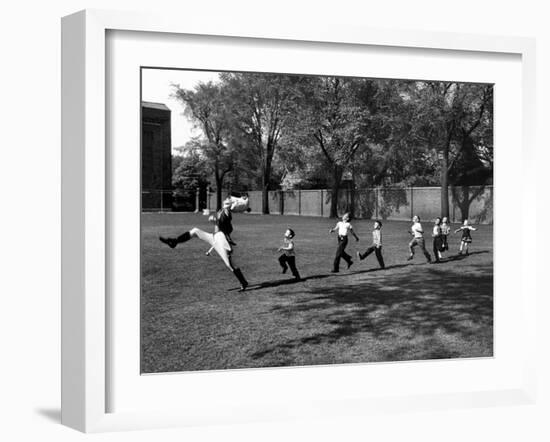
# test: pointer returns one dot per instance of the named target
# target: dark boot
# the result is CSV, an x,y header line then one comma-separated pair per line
x,y
186,236
170,242
173,242
242,280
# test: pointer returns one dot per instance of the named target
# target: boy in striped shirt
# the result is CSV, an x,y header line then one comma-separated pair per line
x,y
288,258
376,246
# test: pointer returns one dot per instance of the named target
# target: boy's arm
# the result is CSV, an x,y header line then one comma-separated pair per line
x,y
353,233
458,230
333,229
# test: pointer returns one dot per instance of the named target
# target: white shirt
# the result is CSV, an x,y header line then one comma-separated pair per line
x,y
377,237
343,228
417,231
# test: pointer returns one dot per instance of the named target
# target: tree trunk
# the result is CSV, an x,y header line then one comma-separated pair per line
x,y
219,184
445,182
265,200
465,203
352,196
265,184
265,193
336,178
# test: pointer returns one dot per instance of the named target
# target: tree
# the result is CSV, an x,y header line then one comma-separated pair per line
x,y
335,116
262,106
206,105
453,115
189,173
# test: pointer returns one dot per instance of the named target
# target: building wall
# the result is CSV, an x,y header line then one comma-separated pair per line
x,y
156,159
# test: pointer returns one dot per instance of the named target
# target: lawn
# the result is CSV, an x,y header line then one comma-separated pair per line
x,y
194,318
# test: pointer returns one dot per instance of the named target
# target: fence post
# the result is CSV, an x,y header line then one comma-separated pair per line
x,y
412,203
282,202
321,203
299,202
197,201
376,197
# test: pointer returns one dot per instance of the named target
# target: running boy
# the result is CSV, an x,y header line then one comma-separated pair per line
x,y
418,239
376,246
288,258
437,236
466,236
343,228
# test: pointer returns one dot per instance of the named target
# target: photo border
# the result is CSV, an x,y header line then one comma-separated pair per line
x,y
85,213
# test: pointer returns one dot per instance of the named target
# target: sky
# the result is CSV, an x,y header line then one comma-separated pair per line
x,y
156,87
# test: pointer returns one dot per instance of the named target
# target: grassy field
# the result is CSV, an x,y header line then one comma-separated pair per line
x,y
193,317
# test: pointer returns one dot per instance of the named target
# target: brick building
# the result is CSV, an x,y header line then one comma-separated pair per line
x,y
156,157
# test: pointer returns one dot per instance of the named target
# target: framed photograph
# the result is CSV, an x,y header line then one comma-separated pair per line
x,y
282,223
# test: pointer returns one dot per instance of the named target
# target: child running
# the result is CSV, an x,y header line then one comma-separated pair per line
x,y
445,231
466,236
343,228
288,258
437,235
418,239
376,246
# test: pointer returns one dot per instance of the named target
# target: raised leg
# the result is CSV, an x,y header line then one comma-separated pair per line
x,y
367,252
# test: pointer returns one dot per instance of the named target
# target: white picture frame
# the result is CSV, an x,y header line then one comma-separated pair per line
x,y
85,216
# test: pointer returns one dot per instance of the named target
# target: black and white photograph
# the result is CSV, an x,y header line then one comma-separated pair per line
x,y
265,222
303,220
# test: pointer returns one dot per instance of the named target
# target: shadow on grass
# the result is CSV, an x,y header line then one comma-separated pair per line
x,y
288,281
427,304
459,257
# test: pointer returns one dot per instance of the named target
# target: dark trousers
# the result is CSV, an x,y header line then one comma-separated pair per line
x,y
341,253
444,243
377,251
437,246
289,261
